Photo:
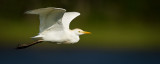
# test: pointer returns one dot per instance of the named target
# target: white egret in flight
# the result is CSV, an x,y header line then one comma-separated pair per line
x,y
54,26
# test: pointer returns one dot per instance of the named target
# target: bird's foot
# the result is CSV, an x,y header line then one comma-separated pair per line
x,y
20,46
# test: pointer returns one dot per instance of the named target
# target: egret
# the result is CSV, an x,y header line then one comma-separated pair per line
x,y
54,27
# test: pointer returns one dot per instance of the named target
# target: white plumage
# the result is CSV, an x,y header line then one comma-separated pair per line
x,y
54,25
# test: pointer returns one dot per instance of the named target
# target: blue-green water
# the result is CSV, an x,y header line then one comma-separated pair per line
x,y
78,56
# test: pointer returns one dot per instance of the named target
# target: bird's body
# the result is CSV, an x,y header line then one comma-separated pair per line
x,y
62,36
54,25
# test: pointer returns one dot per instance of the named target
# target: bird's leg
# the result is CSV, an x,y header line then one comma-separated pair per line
x,y
22,46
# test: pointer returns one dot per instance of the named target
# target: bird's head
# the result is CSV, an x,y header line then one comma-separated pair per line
x,y
80,31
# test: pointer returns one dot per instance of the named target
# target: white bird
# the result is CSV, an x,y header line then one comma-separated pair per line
x,y
54,26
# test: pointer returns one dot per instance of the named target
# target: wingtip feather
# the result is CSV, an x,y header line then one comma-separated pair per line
x,y
42,10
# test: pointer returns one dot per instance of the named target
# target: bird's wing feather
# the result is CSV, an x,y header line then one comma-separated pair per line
x,y
49,17
68,17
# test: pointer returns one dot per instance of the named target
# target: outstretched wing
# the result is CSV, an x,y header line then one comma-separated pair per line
x,y
68,17
49,17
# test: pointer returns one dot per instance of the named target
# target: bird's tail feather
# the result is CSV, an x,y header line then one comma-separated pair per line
x,y
22,46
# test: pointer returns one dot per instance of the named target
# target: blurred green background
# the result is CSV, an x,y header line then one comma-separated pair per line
x,y
129,24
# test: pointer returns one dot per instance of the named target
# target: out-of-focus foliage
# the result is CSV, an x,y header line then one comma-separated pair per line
x,y
112,22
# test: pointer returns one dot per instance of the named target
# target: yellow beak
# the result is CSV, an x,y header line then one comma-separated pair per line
x,y
85,32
